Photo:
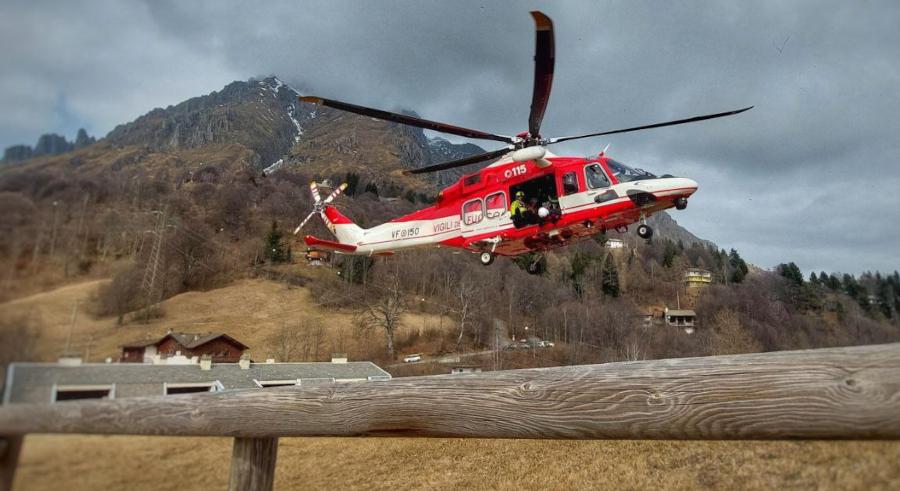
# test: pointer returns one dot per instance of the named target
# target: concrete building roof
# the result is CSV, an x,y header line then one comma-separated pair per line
x,y
681,313
36,382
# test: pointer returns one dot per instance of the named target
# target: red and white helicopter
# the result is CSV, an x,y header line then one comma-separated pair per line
x,y
566,198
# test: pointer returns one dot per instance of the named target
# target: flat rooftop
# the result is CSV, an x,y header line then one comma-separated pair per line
x,y
38,382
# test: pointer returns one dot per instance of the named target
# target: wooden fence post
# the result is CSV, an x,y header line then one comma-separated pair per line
x,y
10,446
253,464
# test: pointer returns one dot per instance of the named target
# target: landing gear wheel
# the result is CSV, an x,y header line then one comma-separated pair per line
x,y
644,231
486,258
680,203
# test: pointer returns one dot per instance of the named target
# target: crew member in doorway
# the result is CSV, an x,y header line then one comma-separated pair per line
x,y
517,210
523,215
532,213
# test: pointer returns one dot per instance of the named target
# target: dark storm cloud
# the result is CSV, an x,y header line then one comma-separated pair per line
x,y
808,175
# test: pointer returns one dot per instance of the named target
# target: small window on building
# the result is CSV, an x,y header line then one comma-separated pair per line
x,y
495,204
595,177
277,383
80,392
172,389
472,212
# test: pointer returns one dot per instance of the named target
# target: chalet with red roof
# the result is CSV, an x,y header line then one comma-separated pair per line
x,y
221,347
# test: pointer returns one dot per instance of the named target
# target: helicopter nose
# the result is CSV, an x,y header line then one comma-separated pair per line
x,y
692,184
682,184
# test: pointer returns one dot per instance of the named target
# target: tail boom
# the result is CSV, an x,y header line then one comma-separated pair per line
x,y
318,243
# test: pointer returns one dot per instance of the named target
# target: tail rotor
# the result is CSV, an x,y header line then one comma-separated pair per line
x,y
319,204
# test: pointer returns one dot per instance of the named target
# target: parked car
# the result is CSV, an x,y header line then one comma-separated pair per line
x,y
412,358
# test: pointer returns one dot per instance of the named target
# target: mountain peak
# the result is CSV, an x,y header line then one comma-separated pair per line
x,y
262,115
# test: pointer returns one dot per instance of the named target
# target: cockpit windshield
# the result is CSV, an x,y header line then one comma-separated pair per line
x,y
624,173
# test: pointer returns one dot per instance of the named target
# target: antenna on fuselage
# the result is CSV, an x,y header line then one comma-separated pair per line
x,y
603,152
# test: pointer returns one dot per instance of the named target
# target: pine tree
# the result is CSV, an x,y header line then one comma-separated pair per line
x,y
834,284
276,251
610,284
813,279
352,180
738,266
792,272
669,254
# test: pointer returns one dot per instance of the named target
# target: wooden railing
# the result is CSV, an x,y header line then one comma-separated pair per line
x,y
848,393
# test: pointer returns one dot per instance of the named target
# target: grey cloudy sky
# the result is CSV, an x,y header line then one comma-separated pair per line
x,y
809,175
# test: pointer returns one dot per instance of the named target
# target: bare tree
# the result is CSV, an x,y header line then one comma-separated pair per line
x,y
121,295
384,311
468,294
285,343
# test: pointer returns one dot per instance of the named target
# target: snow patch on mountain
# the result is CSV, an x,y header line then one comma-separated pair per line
x,y
275,85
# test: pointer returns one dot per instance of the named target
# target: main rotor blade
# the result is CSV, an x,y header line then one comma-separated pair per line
x,y
657,125
335,193
410,120
544,56
314,189
460,162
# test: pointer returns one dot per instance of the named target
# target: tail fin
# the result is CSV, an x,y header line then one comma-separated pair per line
x,y
342,227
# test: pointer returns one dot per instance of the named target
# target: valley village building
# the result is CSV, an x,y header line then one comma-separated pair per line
x,y
221,347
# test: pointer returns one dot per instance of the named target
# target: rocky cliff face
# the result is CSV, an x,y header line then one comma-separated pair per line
x,y
17,153
82,139
47,144
441,150
262,115
664,226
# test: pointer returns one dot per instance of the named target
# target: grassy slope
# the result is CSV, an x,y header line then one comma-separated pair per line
x,y
251,310
102,462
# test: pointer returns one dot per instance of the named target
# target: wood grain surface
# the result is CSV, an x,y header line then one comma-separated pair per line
x,y
253,464
849,392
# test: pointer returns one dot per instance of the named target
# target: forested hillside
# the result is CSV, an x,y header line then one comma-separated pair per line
x,y
198,195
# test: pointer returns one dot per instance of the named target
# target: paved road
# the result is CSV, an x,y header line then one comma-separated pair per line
x,y
446,359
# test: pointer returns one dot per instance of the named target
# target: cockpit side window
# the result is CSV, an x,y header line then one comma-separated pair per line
x,y
595,177
624,173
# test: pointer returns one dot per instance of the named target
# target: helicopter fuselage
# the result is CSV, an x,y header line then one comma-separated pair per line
x,y
578,197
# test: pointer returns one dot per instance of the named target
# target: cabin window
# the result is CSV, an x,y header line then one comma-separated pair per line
x,y
472,212
595,177
495,204
569,183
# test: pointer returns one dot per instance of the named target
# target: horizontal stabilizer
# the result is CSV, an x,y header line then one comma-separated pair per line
x,y
328,244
